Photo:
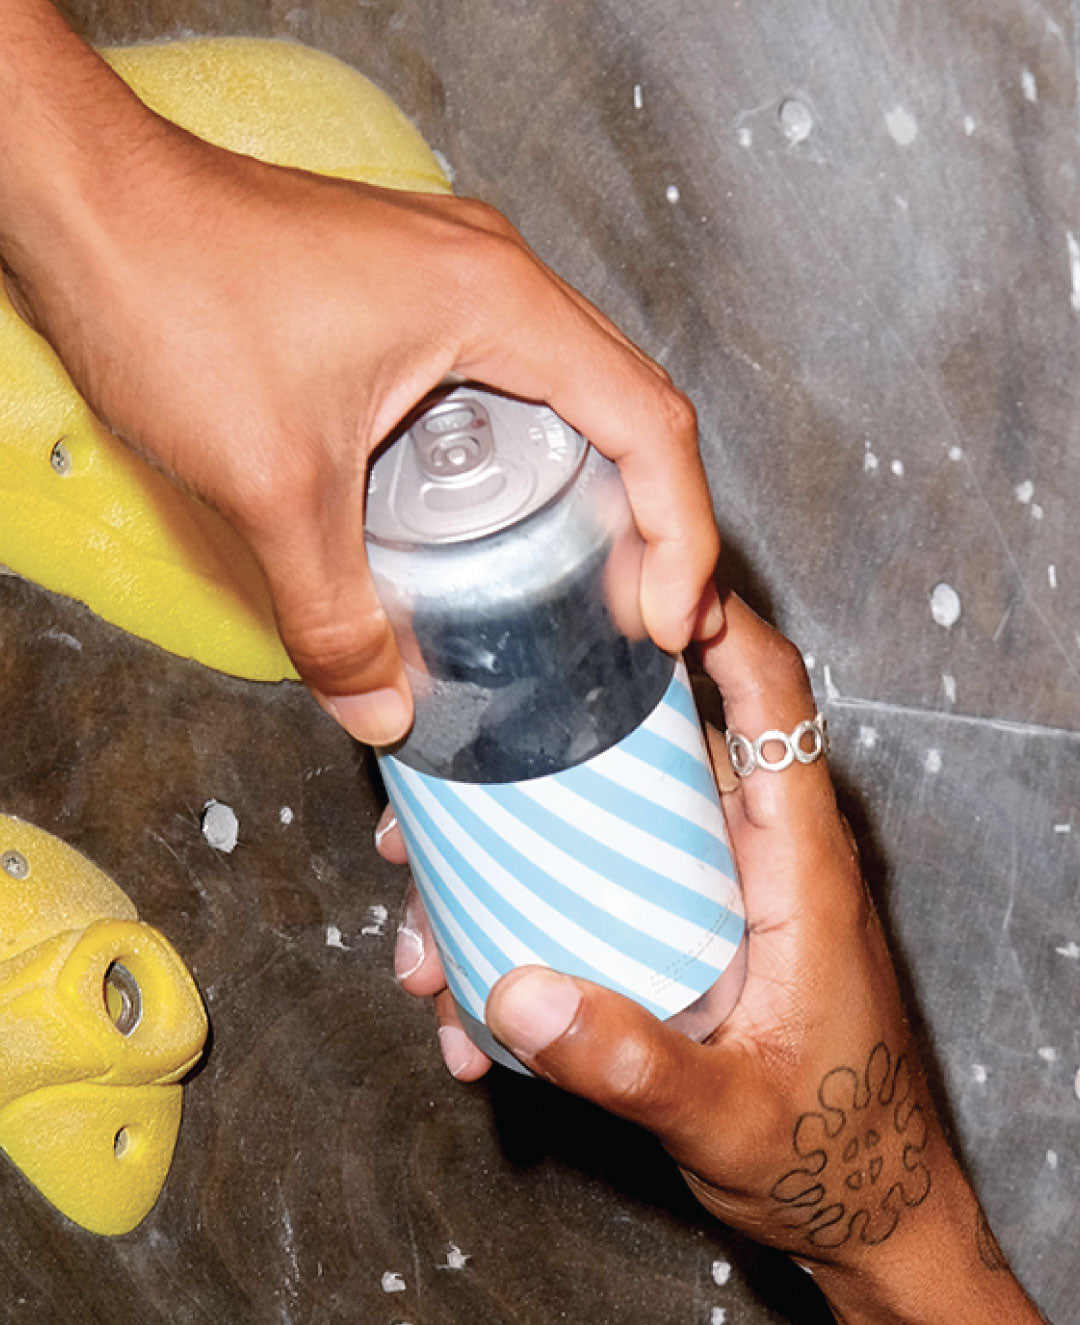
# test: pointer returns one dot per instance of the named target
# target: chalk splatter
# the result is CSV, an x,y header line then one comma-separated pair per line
x,y
945,605
903,127
220,826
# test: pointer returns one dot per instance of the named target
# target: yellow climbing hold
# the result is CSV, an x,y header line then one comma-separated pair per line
x,y
79,513
99,1021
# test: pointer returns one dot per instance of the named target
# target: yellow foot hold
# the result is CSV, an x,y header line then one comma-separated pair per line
x,y
99,1021
78,512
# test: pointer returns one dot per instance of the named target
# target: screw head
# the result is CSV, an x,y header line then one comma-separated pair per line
x,y
60,458
15,864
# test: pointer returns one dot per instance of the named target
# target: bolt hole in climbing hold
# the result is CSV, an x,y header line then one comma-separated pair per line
x,y
60,458
121,1143
15,864
123,998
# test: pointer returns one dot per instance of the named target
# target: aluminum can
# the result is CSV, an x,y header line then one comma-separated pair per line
x,y
555,795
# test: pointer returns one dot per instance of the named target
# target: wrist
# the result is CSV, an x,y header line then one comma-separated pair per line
x,y
72,136
943,1268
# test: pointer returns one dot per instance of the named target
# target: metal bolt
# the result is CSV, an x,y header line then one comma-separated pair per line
x,y
15,864
60,458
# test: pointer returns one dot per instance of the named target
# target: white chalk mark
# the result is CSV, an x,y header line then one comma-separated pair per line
x,y
1025,491
796,120
672,194
285,815
870,461
948,684
868,737
1028,85
809,661
1076,1083
639,100
1074,269
1048,1053
903,127
220,826
978,1074
1037,511
392,1282
1070,950
1063,828
717,1316
831,691
376,926
969,125
62,637
456,1259
445,164
745,136
945,605
1051,1159
897,467
334,939
955,454
1051,576
721,1272
932,763
969,719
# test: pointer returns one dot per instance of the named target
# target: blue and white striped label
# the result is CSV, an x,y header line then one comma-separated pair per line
x,y
617,870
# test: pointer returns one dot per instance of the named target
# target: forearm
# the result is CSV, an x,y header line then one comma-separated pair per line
x,y
70,133
942,1268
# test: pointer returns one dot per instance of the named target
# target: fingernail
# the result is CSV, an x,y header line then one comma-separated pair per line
x,y
408,952
383,827
456,1049
534,1011
379,717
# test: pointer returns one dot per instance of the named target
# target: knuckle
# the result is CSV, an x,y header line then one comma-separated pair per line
x,y
638,1078
483,263
785,659
338,653
679,415
483,216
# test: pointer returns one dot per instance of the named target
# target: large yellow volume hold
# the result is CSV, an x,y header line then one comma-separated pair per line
x,y
99,1021
79,513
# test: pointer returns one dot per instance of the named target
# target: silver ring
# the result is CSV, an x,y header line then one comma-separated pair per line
x,y
746,755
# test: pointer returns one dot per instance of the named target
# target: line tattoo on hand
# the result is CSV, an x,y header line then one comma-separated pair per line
x,y
862,1155
990,1253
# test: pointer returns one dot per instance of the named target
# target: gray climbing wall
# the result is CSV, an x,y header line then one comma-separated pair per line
x,y
851,231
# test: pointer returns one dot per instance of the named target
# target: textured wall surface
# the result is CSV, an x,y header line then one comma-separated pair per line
x,y
851,231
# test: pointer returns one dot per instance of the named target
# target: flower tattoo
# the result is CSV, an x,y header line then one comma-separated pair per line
x,y
862,1155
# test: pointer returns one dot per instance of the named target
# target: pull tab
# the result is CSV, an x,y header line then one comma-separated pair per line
x,y
453,440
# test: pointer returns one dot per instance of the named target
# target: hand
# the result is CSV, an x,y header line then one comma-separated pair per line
x,y
255,332
805,1120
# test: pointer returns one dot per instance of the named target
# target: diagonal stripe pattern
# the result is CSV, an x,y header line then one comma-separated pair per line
x,y
617,870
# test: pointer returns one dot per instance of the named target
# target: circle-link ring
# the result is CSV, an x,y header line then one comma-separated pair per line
x,y
815,729
746,755
741,754
774,765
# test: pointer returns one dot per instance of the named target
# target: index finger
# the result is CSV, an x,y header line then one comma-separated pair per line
x,y
764,687
544,345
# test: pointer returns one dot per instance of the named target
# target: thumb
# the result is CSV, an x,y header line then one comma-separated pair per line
x,y
614,1053
332,623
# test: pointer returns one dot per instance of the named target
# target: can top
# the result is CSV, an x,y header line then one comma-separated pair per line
x,y
471,464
